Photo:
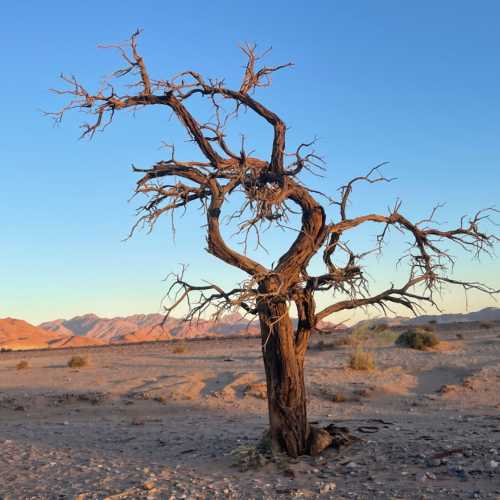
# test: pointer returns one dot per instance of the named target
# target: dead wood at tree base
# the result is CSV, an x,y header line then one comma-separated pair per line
x,y
319,439
331,436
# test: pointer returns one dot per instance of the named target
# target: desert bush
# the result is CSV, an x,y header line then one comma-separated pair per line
x,y
485,325
5,349
427,328
375,334
329,346
460,336
418,338
249,458
361,359
338,397
180,349
257,390
78,362
378,327
433,321
344,341
22,365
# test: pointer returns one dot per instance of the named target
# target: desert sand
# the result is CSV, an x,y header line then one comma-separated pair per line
x,y
181,420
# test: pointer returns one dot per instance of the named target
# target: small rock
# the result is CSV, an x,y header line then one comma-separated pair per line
x,y
148,485
327,487
493,464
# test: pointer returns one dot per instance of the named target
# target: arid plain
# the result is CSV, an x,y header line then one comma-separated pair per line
x,y
182,420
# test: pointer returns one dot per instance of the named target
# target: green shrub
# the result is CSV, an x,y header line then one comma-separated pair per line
x,y
78,362
418,338
22,365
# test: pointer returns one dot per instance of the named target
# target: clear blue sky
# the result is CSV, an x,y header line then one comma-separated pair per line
x,y
413,83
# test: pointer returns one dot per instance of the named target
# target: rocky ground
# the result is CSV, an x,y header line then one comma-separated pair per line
x,y
182,421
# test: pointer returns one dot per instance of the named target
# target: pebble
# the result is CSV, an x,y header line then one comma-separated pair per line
x,y
327,487
148,485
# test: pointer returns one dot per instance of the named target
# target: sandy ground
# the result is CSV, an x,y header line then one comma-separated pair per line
x,y
145,422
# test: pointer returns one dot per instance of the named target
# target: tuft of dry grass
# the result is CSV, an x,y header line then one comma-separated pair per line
x,y
180,348
338,397
249,458
257,390
361,359
78,362
22,365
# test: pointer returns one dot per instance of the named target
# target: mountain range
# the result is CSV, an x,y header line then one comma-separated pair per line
x,y
486,314
90,329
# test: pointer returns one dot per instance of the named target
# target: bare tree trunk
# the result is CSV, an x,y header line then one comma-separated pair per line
x,y
286,393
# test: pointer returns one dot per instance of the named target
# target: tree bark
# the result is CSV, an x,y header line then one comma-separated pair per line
x,y
284,366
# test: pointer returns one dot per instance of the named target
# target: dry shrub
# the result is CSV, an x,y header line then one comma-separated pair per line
x,y
249,458
361,359
78,362
377,334
485,325
22,365
418,338
180,348
378,328
339,398
345,341
257,390
426,328
331,346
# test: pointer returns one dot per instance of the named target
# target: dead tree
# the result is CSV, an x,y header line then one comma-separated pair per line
x,y
271,191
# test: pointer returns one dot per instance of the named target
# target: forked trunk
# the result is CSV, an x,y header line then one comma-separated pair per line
x,y
286,393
